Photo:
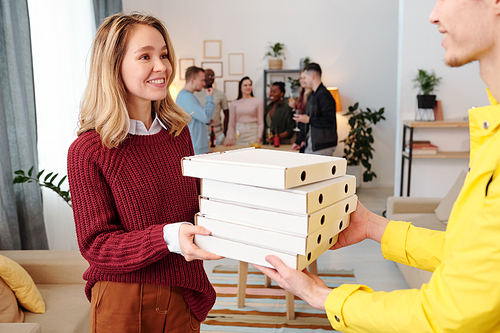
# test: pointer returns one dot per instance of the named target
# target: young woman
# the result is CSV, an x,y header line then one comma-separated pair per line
x,y
246,116
278,115
128,193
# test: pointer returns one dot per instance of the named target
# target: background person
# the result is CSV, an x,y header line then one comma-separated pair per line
x,y
319,135
200,115
463,294
221,110
278,115
246,116
300,103
128,193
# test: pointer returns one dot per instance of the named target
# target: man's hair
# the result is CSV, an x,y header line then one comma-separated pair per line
x,y
280,85
103,107
192,71
313,67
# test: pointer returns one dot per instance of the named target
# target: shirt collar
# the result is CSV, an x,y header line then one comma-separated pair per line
x,y
137,127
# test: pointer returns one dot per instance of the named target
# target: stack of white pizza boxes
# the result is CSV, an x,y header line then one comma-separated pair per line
x,y
258,202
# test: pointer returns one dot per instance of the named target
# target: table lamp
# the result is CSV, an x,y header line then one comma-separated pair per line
x,y
336,96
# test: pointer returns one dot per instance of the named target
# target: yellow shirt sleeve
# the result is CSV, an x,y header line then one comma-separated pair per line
x,y
413,246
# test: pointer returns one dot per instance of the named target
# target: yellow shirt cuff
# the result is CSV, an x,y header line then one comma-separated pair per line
x,y
335,302
394,241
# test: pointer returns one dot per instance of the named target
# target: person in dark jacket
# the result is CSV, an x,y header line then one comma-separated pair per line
x,y
278,115
319,135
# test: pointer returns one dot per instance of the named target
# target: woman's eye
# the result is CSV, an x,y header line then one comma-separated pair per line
x,y
144,57
164,56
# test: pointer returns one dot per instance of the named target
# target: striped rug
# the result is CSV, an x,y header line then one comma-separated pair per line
x,y
265,309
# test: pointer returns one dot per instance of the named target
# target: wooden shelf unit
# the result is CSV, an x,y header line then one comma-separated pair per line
x,y
410,125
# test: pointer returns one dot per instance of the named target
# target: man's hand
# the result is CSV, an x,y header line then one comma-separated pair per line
x,y
189,248
297,147
363,224
303,118
307,286
210,91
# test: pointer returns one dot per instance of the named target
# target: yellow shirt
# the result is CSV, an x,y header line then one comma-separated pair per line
x,y
463,294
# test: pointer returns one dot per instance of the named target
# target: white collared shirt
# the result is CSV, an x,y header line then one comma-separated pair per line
x,y
170,231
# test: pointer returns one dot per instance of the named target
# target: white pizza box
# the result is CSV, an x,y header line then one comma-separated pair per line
x,y
271,239
304,199
256,255
290,223
264,167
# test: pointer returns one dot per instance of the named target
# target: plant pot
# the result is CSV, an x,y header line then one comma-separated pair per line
x,y
275,63
426,101
355,170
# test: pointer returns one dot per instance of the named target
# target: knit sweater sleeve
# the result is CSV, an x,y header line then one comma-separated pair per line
x,y
101,238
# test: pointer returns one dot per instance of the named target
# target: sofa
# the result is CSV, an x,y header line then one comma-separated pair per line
x,y
431,213
58,277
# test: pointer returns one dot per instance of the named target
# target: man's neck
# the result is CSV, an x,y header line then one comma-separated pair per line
x,y
189,87
316,85
489,74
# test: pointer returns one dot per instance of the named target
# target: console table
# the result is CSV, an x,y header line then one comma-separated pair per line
x,y
410,126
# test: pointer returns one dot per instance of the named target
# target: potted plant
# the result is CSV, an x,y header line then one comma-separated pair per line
x,y
48,181
275,53
294,86
304,62
358,144
426,83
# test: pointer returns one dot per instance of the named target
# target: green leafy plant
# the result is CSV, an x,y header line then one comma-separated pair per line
x,y
276,50
294,83
48,181
305,61
358,144
426,82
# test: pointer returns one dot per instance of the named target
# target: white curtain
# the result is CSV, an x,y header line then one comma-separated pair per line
x,y
61,34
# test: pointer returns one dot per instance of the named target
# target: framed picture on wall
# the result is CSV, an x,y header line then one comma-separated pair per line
x,y
236,63
212,49
184,63
216,66
231,89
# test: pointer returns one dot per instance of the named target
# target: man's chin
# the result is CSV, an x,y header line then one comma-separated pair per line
x,y
457,62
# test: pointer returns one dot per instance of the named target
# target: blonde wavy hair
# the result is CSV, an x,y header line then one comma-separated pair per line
x,y
103,107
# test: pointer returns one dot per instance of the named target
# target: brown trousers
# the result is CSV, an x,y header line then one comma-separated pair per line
x,y
140,308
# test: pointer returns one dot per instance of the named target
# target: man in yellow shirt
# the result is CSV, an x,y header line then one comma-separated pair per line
x,y
463,294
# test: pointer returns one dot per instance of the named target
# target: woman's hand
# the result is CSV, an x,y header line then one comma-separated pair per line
x,y
306,285
292,103
189,249
363,224
229,142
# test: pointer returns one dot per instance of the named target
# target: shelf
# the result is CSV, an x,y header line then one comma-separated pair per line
x,y
437,123
440,154
277,71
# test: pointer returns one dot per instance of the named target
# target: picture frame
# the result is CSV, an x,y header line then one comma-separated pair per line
x,y
231,89
184,63
216,66
212,49
236,63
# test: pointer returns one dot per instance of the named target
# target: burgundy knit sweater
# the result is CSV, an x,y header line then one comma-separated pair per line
x,y
122,198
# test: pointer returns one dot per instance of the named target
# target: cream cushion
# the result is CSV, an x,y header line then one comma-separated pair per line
x,y
21,283
9,310
443,210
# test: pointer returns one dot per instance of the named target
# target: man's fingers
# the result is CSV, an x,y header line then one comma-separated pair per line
x,y
272,273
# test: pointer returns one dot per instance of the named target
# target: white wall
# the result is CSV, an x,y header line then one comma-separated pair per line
x,y
355,42
460,89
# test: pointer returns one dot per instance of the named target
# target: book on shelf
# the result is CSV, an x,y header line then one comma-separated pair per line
x,y
282,221
257,255
421,148
304,199
272,239
264,167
